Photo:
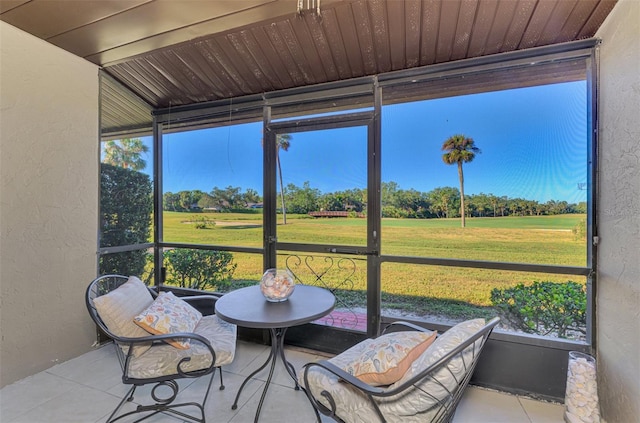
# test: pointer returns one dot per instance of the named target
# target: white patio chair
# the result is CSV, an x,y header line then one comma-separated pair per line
x,y
428,391
114,301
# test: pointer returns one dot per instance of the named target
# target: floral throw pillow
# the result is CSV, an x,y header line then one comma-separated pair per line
x,y
169,314
383,361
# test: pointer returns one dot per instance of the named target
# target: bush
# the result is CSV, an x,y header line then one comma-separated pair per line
x,y
199,269
544,307
204,223
126,205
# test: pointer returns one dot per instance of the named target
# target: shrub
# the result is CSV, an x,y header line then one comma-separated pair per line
x,y
543,307
126,204
204,223
199,269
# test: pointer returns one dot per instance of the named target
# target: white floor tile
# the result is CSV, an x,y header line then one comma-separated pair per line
x,y
80,404
280,405
543,412
22,396
99,369
88,388
247,358
485,406
280,374
218,406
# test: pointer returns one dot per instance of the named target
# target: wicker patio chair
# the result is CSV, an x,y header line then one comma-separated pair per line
x,y
148,359
428,391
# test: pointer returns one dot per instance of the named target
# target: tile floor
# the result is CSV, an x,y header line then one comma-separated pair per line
x,y
87,388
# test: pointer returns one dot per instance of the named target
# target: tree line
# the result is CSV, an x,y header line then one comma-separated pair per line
x,y
441,202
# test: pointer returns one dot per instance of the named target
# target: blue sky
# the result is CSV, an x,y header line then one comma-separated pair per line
x,y
533,143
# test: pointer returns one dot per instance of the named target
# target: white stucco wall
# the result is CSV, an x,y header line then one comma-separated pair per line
x,y
48,203
618,297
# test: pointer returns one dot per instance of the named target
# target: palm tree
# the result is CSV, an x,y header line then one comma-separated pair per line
x,y
283,142
459,149
126,153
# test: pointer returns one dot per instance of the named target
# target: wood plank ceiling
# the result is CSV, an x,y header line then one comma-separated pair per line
x,y
177,52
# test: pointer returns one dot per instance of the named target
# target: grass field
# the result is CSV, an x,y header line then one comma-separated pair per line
x,y
427,289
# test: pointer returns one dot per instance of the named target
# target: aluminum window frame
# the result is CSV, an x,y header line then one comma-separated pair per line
x,y
324,96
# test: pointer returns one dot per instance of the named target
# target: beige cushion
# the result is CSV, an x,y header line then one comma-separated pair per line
x,y
118,308
169,314
438,387
163,359
382,361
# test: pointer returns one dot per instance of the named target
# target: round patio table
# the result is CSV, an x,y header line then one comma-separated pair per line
x,y
247,307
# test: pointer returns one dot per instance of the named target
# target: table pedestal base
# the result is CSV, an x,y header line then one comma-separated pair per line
x,y
277,350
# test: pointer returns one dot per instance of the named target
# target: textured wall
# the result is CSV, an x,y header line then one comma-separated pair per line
x,y
48,203
618,298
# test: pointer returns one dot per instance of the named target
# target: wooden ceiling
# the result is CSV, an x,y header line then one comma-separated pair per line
x,y
181,52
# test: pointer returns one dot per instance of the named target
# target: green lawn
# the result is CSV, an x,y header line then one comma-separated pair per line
x,y
537,239
420,289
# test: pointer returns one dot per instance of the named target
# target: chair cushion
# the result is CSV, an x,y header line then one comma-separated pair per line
x,y
162,359
382,361
169,314
118,308
439,386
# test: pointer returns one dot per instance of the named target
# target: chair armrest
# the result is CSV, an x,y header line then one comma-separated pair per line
x,y
210,297
156,339
345,376
204,303
131,342
189,335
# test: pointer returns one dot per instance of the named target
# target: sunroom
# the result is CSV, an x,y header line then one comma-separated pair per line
x,y
309,136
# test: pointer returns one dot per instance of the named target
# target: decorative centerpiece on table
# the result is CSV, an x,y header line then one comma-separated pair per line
x,y
277,285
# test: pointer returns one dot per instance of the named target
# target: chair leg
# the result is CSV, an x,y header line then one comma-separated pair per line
x,y
221,383
162,405
131,392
